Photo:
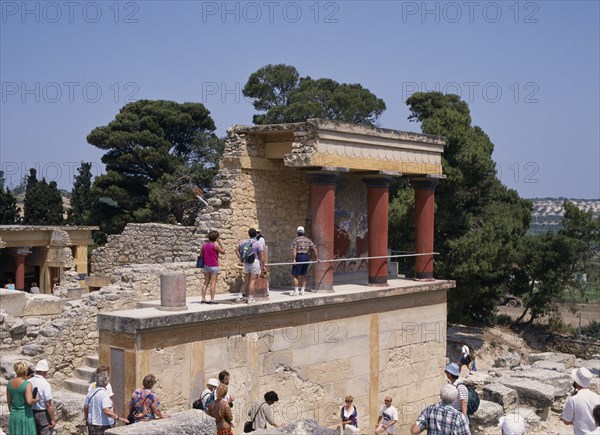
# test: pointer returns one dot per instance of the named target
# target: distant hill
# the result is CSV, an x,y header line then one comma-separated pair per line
x,y
548,212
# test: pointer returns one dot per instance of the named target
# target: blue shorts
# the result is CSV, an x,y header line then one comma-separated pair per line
x,y
211,269
300,269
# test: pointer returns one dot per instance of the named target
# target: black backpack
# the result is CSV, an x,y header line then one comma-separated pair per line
x,y
198,404
472,400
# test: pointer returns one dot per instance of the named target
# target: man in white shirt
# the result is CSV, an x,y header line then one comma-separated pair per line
x,y
465,356
224,377
206,397
43,408
580,406
98,408
388,416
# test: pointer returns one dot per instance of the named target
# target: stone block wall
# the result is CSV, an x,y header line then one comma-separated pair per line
x,y
253,191
312,356
146,244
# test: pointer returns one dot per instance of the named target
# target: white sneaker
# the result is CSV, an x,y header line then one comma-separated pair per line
x,y
296,293
241,299
301,292
251,300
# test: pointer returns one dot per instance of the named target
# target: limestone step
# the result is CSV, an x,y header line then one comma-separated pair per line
x,y
85,373
76,385
92,361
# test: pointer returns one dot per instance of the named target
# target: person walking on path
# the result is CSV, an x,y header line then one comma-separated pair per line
x,y
580,406
465,356
251,253
210,252
442,418
461,401
388,416
302,246
43,409
19,398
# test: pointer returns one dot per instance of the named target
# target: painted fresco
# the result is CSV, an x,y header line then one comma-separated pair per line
x,y
350,226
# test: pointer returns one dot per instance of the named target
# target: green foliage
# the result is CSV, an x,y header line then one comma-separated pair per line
x,y
279,91
550,264
592,329
478,221
503,319
9,212
43,202
557,325
158,152
81,197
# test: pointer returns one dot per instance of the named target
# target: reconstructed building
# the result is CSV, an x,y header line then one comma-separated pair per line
x,y
373,337
41,254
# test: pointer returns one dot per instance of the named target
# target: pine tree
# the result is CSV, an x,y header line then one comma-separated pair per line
x,y
81,198
9,212
43,202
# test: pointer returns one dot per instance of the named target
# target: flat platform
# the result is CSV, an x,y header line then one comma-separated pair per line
x,y
148,316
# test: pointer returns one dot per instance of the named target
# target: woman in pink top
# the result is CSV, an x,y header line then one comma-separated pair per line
x,y
210,253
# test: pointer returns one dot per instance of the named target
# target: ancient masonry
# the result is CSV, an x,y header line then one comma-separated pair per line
x,y
369,341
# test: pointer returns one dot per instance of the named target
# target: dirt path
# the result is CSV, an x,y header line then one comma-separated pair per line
x,y
584,315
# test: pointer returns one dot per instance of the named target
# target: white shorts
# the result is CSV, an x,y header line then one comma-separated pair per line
x,y
253,268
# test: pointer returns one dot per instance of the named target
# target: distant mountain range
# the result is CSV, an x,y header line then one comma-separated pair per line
x,y
548,212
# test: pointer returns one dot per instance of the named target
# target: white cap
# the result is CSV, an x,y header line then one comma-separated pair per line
x,y
42,366
582,376
512,424
213,382
300,229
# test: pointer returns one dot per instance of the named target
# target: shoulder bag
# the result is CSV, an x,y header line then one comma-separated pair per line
x,y
249,425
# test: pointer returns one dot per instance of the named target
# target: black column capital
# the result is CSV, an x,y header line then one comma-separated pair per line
x,y
377,180
321,177
423,183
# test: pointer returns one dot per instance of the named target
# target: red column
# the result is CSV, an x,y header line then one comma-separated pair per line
x,y
424,210
322,206
377,217
20,271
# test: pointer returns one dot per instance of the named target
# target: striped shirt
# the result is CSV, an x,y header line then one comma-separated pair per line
x,y
302,245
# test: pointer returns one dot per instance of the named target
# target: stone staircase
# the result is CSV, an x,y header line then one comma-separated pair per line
x,y
84,375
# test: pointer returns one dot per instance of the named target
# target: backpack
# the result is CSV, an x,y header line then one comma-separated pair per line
x,y
198,404
472,401
246,253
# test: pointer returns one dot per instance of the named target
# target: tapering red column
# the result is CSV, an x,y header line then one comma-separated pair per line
x,y
20,271
424,211
377,222
322,206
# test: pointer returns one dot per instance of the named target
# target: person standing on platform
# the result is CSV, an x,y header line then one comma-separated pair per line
x,y
252,255
210,253
302,247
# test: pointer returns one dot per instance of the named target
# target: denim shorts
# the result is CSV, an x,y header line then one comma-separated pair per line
x,y
211,269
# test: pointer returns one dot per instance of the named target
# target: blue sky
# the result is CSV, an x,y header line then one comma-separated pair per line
x,y
529,71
